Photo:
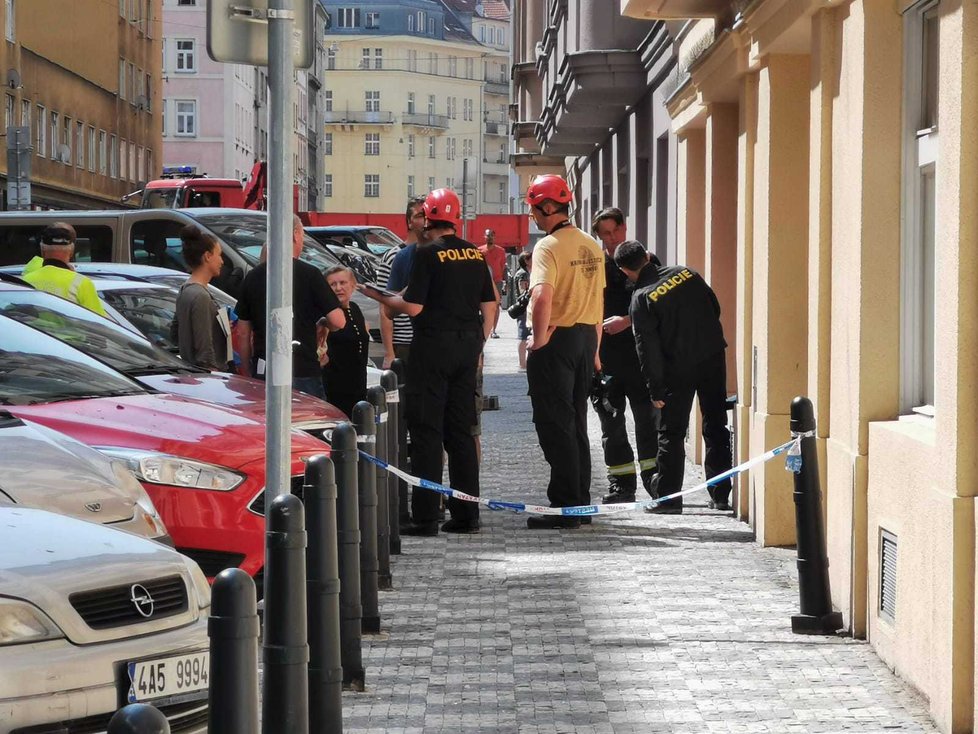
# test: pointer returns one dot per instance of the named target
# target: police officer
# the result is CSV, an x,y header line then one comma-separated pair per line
x,y
676,320
450,297
566,285
55,274
619,362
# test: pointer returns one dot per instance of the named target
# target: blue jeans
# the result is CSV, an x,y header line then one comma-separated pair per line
x,y
310,385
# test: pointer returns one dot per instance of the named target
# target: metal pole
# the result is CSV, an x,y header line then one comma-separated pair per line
x,y
817,617
285,652
138,718
403,505
233,629
278,342
465,197
323,598
345,458
377,396
363,419
388,381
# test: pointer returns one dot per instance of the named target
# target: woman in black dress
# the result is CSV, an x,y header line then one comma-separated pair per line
x,y
345,373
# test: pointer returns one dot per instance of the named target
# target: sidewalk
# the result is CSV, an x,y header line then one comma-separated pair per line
x,y
638,623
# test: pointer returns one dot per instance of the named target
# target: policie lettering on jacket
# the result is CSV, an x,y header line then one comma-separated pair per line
x,y
676,320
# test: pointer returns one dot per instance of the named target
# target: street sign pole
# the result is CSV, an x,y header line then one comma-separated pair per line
x,y
279,334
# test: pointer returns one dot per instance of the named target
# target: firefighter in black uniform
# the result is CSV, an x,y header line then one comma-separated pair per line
x,y
620,367
452,301
676,320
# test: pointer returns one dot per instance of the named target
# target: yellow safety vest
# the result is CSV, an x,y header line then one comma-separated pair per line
x,y
67,284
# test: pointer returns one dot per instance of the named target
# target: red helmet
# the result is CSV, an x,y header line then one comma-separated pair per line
x,y
442,205
548,186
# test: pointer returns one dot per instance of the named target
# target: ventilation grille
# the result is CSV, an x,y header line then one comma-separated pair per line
x,y
888,575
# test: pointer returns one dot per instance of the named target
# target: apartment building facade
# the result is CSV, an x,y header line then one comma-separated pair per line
x,y
827,154
215,115
89,113
415,102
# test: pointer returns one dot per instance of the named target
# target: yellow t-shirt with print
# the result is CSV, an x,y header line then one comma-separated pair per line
x,y
573,264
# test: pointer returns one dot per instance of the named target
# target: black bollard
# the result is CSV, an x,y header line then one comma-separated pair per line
x,y
378,398
403,504
285,653
233,629
817,617
388,380
323,598
138,718
363,420
345,458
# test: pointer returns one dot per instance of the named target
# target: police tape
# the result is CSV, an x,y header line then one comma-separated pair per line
x,y
792,447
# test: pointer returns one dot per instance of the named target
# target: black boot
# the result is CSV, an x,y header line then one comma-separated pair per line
x,y
621,489
648,480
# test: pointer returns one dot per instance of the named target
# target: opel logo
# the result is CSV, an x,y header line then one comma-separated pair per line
x,y
141,599
94,507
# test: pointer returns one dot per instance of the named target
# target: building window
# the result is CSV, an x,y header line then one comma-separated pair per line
x,y
412,59
348,18
422,20
410,192
452,66
371,185
102,163
331,58
91,149
373,19
10,28
431,104
42,132
502,192
55,123
431,26
25,117
132,161
80,144
431,146
431,183
328,185
410,103
327,143
8,110
371,144
186,110
66,139
410,146
122,79
378,58
411,23
113,157
918,283
186,55
327,100
372,101
469,68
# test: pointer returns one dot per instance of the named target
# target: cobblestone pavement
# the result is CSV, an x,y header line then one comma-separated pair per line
x,y
639,623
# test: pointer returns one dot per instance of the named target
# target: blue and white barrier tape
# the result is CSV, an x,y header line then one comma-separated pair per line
x,y
578,510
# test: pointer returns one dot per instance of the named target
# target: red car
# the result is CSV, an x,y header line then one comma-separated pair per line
x,y
202,464
157,369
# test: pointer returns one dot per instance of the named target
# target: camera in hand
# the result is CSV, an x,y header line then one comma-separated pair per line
x,y
518,309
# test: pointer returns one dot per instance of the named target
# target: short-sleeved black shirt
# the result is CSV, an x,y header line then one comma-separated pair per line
x,y
312,299
450,279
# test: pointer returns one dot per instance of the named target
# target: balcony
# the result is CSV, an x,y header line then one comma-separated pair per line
x,y
425,120
496,166
497,86
357,117
673,9
496,128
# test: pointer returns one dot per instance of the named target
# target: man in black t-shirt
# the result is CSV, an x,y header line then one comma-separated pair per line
x,y
451,298
313,303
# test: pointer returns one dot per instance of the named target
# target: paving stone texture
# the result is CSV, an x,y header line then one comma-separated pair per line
x,y
638,623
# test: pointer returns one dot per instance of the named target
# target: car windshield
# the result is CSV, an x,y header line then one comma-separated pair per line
x,y
39,369
159,198
382,237
88,332
150,310
247,233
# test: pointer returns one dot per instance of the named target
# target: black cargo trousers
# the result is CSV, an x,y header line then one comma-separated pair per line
x,y
440,411
708,382
628,384
559,376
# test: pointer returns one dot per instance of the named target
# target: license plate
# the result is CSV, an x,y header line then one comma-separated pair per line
x,y
150,680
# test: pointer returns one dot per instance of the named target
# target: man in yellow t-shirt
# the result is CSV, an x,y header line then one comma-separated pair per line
x,y
567,310
55,275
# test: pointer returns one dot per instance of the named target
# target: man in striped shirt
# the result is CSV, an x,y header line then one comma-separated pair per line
x,y
393,274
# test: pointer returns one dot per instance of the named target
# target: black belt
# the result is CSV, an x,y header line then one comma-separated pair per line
x,y
577,326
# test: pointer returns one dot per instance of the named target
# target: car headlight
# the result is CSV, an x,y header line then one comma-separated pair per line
x,y
146,509
21,622
201,587
175,471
